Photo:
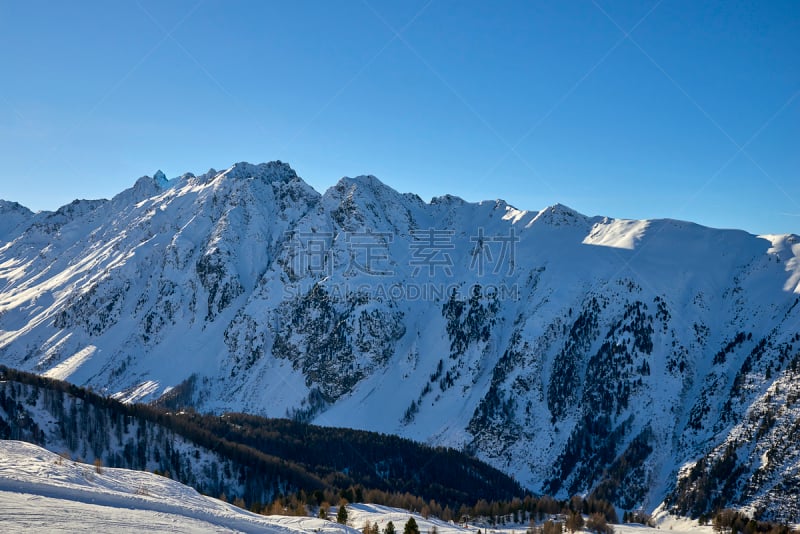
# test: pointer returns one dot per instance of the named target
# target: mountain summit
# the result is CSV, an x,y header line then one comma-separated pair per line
x,y
647,362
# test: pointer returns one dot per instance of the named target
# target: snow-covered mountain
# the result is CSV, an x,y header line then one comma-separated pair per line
x,y
641,360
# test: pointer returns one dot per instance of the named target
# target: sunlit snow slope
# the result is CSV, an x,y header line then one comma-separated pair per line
x,y
40,491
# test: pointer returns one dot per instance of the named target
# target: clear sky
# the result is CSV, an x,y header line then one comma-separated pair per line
x,y
635,109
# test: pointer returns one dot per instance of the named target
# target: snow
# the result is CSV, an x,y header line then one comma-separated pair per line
x,y
137,392
617,233
63,370
666,521
41,491
107,294
358,514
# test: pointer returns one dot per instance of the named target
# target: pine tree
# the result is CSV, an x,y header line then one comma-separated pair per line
x,y
411,527
389,528
341,515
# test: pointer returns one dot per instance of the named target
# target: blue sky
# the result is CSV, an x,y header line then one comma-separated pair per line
x,y
637,109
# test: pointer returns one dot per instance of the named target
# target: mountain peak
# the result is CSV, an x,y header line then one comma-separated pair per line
x,y
561,215
273,171
365,200
7,206
13,216
365,185
448,200
145,187
160,179
561,208
363,182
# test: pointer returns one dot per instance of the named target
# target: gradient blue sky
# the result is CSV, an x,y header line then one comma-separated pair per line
x,y
637,109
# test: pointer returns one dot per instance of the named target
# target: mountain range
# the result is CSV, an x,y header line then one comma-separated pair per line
x,y
653,363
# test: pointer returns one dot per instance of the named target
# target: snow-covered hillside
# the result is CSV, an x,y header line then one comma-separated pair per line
x,y
41,491
359,514
578,353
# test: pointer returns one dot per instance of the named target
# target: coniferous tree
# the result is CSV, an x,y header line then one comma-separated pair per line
x,y
389,528
411,527
341,515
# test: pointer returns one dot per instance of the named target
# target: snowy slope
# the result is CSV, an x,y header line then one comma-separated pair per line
x,y
359,514
42,491
596,355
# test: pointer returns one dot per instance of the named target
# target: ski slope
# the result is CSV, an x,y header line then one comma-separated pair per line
x,y
40,491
